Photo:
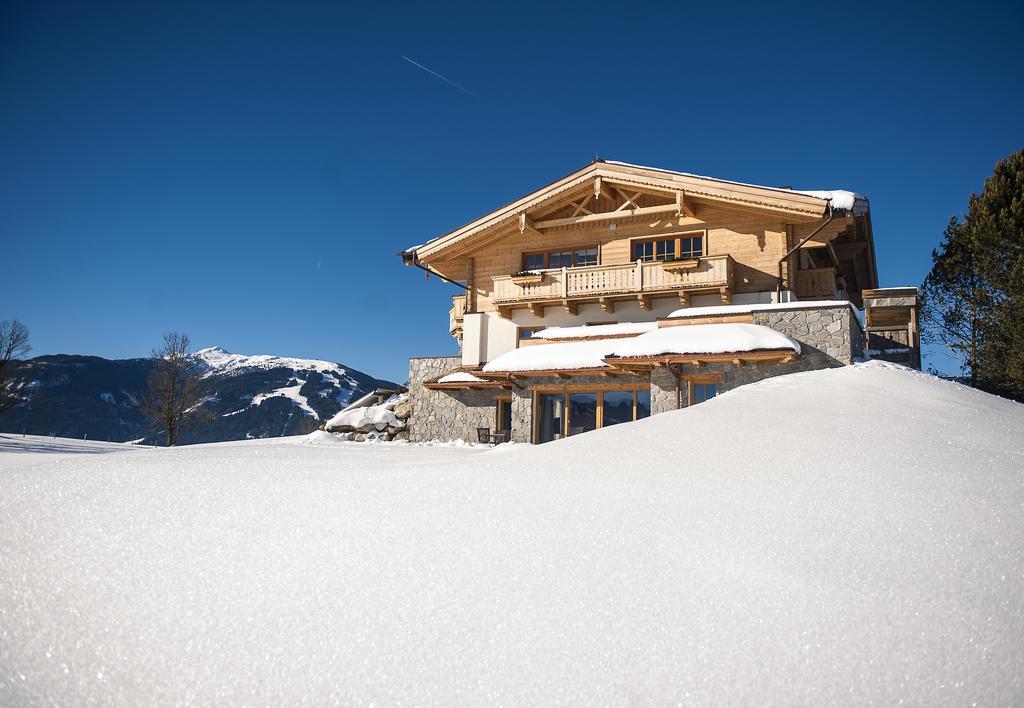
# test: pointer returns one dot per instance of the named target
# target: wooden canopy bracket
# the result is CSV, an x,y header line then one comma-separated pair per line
x,y
570,307
645,302
607,304
537,309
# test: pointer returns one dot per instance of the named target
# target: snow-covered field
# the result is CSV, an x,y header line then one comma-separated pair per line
x,y
847,536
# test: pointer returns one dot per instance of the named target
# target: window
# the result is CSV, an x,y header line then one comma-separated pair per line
x,y
562,413
578,258
528,332
502,414
700,392
533,261
585,257
691,247
682,246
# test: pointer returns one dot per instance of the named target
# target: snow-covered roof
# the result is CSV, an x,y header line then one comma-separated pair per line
x,y
705,339
461,377
762,307
586,332
587,354
689,339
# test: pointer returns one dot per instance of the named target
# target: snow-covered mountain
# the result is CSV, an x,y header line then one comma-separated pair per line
x,y
251,396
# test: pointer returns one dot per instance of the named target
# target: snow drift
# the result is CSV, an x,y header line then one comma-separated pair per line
x,y
847,536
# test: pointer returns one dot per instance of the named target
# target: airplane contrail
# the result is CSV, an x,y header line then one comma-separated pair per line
x,y
444,78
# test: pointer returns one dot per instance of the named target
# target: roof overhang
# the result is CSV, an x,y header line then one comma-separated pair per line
x,y
768,356
795,206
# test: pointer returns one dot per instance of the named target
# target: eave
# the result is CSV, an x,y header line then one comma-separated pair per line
x,y
793,206
778,356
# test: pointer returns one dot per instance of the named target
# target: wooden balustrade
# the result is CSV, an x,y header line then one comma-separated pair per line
x,y
712,272
816,283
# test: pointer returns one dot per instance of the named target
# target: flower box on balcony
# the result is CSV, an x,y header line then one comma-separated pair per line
x,y
528,277
679,266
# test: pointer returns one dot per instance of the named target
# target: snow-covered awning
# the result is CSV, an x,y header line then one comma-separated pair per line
x,y
461,380
693,342
622,329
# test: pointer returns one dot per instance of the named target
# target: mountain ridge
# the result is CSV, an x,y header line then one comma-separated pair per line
x,y
252,396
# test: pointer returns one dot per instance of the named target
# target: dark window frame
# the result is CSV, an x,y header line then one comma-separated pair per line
x,y
676,239
573,251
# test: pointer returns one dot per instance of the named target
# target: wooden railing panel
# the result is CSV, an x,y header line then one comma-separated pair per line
x,y
598,281
816,282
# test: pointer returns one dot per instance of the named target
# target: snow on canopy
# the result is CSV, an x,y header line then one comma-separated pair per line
x,y
587,354
460,377
771,563
759,307
590,354
608,330
705,339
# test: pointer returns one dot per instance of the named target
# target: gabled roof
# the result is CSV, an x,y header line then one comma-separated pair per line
x,y
799,206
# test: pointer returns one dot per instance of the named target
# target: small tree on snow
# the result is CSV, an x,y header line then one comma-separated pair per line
x,y
175,391
13,345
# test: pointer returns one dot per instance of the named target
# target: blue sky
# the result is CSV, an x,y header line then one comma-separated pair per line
x,y
246,173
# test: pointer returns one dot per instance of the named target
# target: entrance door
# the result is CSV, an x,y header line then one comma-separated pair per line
x,y
582,412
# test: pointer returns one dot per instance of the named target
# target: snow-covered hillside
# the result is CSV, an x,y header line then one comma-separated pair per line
x,y
847,536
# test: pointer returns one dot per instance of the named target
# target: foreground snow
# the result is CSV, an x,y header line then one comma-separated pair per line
x,y
844,536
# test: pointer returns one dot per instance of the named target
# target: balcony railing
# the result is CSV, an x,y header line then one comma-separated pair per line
x,y
709,273
456,312
816,283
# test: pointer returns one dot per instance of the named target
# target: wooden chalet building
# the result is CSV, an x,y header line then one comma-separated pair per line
x,y
622,291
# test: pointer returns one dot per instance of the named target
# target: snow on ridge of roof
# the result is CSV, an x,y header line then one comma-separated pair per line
x,y
706,339
761,307
841,198
608,330
460,377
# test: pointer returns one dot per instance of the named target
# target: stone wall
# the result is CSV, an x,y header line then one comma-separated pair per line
x,y
829,336
663,390
445,415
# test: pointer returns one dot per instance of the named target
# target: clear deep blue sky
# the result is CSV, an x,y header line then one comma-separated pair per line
x,y
246,173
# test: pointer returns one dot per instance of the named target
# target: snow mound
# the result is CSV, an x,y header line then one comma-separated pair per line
x,y
379,417
841,537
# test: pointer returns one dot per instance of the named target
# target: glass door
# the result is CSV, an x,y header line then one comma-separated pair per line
x,y
582,412
551,416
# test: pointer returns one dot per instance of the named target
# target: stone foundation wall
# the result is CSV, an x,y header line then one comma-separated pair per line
x,y
829,336
445,415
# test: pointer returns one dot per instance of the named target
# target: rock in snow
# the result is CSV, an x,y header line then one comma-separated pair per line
x,y
847,536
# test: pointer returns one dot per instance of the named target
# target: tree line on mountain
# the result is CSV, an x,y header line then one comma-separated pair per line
x,y
973,297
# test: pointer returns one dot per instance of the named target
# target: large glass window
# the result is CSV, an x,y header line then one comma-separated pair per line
x,y
560,259
618,407
702,392
643,403
582,412
551,409
575,412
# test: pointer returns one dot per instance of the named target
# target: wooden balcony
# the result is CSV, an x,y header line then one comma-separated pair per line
x,y
816,283
608,283
455,314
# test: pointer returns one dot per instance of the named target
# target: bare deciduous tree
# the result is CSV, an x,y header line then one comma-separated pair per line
x,y
13,345
175,391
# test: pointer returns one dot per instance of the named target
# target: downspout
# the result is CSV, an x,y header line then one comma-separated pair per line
x,y
790,252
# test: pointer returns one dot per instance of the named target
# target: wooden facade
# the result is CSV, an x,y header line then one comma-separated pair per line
x,y
713,238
